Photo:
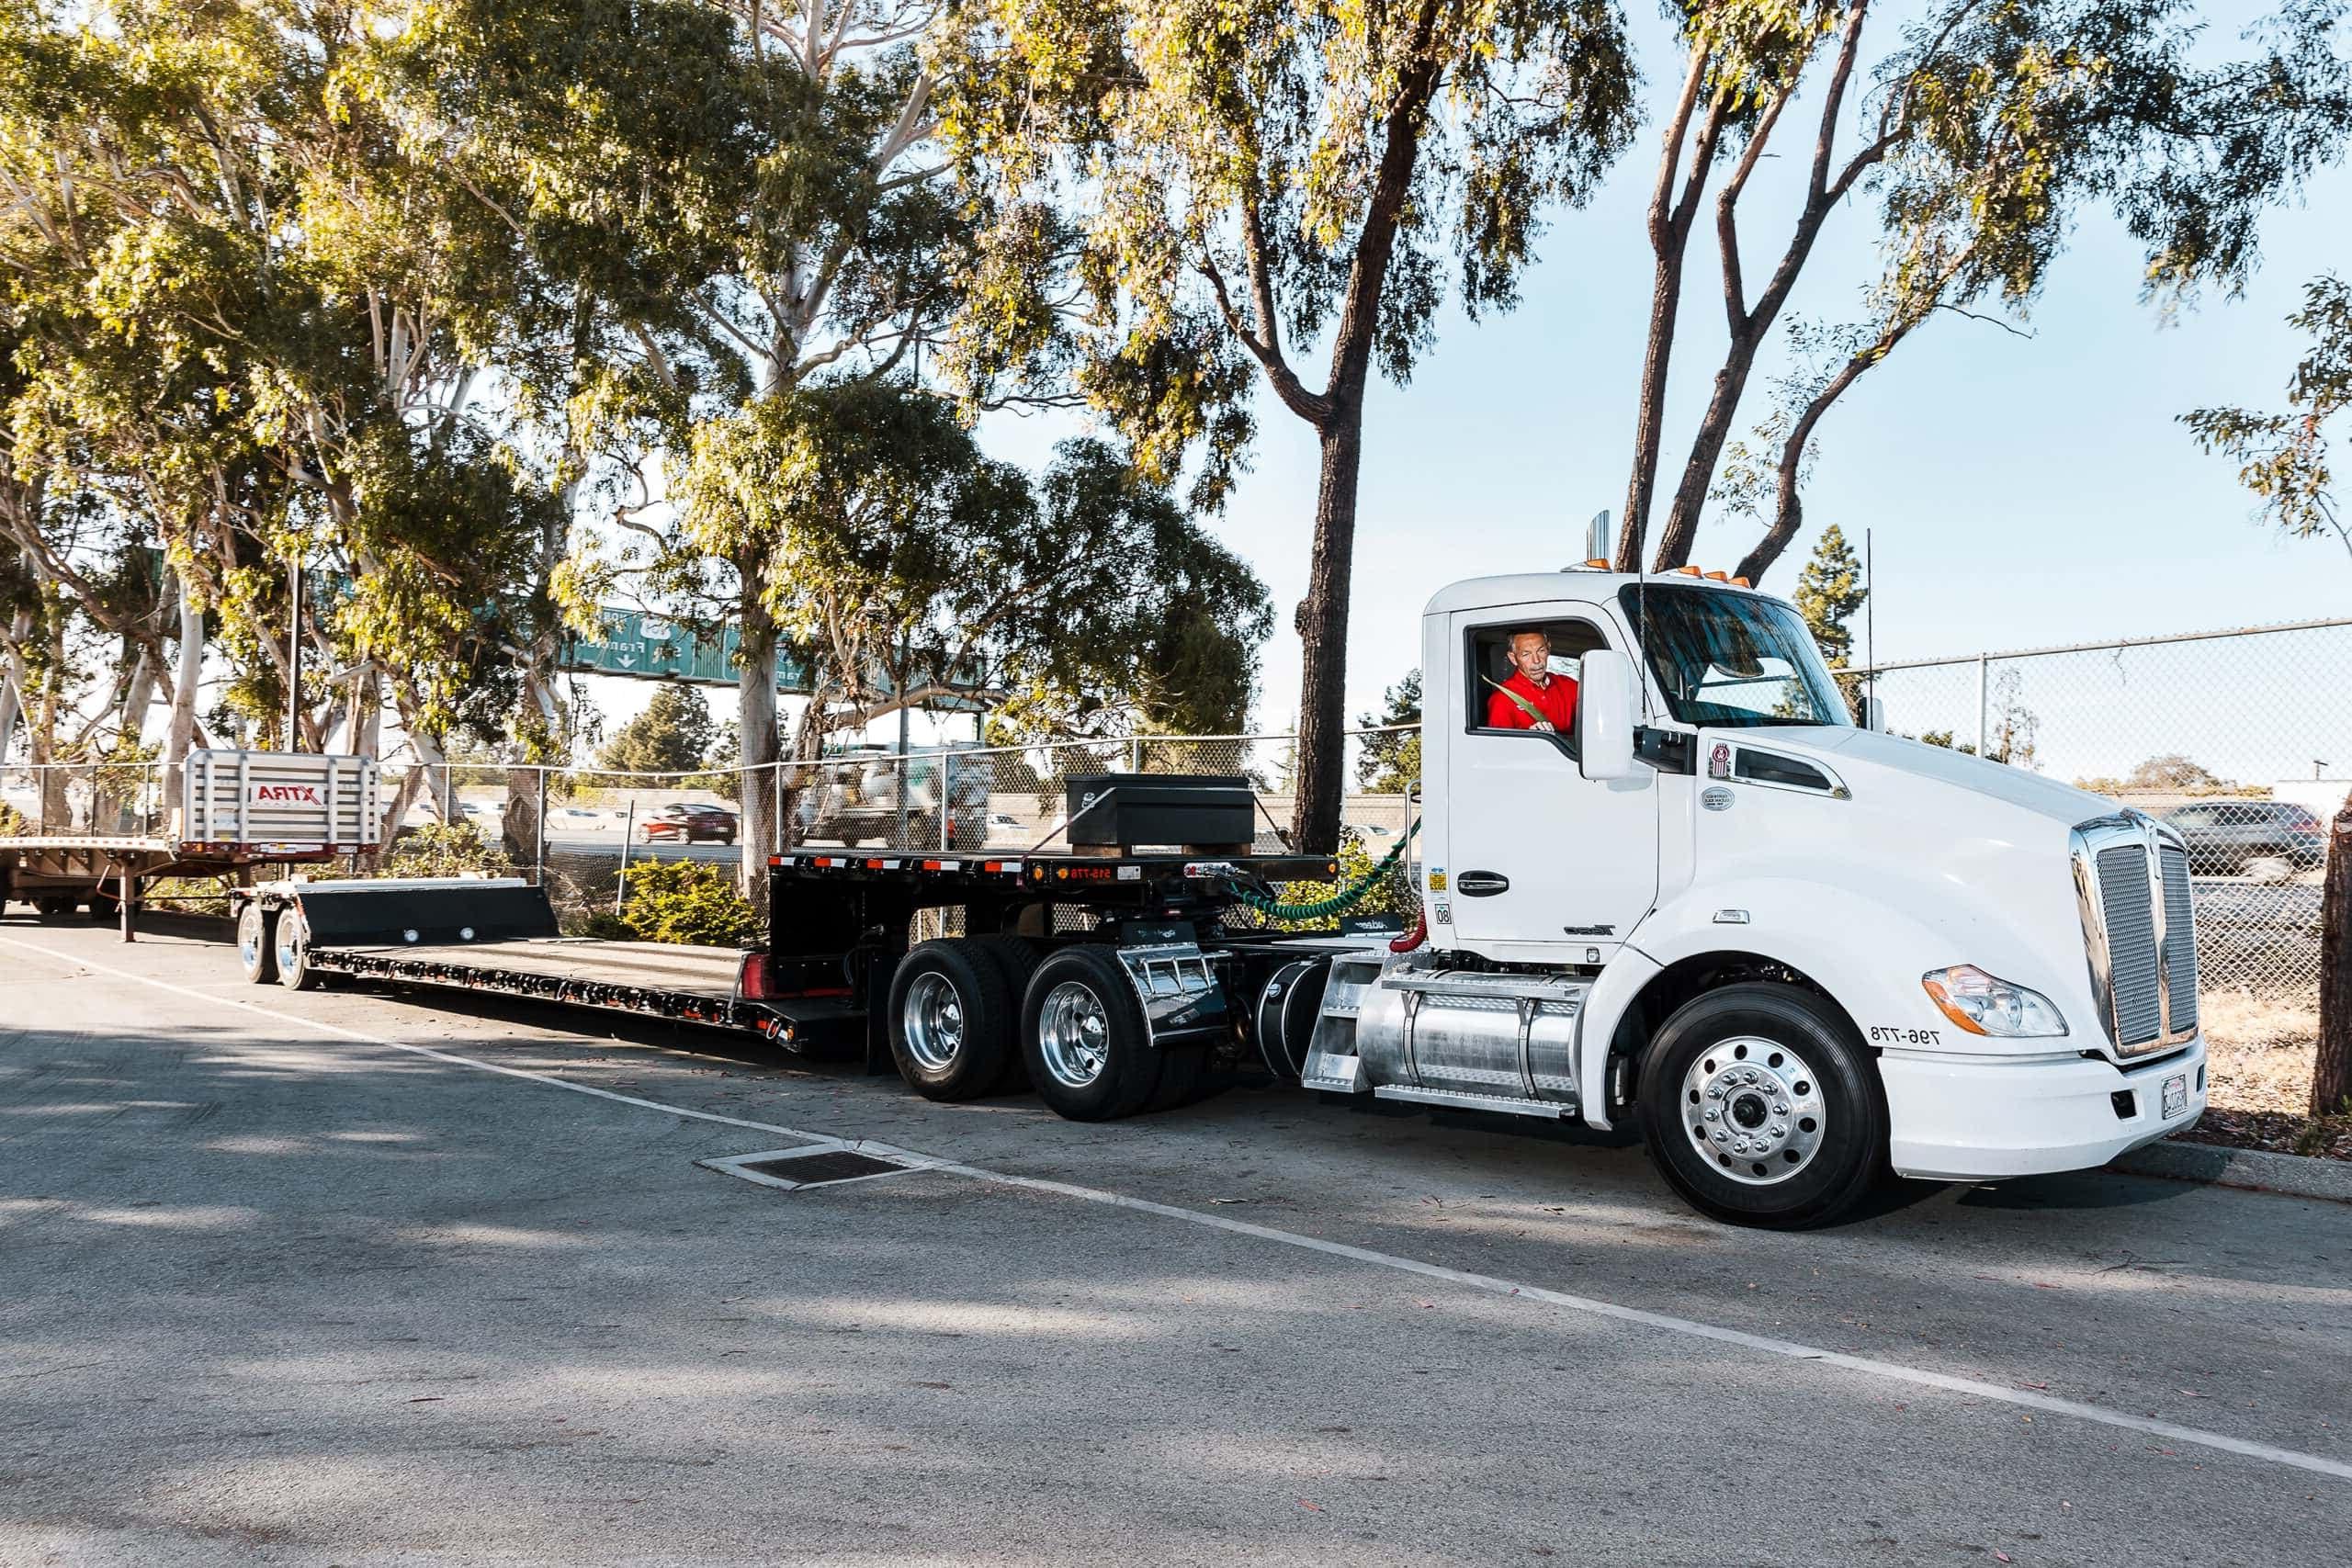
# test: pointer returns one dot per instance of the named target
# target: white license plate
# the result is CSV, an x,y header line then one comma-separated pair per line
x,y
2176,1095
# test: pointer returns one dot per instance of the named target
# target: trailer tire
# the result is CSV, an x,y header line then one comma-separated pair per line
x,y
257,943
56,908
1082,1033
1777,1086
292,948
1016,958
963,1015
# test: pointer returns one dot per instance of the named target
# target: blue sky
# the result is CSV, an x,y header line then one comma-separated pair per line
x,y
2022,491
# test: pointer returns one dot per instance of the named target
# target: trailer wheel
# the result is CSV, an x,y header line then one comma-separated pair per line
x,y
1082,1030
292,948
951,1019
55,908
1762,1107
257,943
1016,958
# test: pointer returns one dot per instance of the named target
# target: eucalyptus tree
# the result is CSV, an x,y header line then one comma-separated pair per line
x,y
1252,181
901,561
1982,132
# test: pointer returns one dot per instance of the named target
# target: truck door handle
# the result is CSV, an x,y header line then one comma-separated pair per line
x,y
1481,883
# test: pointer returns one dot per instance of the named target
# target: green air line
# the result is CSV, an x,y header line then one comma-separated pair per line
x,y
1346,897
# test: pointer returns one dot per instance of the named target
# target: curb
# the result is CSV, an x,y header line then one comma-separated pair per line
x,y
2257,1170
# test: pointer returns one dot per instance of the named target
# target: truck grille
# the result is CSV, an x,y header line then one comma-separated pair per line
x,y
2180,940
2139,931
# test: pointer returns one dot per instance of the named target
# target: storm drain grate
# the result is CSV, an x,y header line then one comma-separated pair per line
x,y
793,1169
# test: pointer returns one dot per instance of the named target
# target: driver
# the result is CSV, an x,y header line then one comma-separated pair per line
x,y
1533,698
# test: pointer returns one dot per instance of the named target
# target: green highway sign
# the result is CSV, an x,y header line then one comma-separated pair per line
x,y
648,647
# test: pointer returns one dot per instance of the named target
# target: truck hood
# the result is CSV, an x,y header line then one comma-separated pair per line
x,y
1853,752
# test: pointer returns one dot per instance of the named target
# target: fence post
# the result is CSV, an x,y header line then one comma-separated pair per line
x,y
1135,753
947,804
1983,702
539,863
628,828
782,838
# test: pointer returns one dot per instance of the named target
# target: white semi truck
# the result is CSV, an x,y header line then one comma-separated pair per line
x,y
1794,951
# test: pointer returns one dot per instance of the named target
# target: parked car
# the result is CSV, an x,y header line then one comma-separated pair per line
x,y
2227,836
688,822
856,796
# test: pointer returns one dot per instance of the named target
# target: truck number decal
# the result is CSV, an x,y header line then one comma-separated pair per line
x,y
1896,1034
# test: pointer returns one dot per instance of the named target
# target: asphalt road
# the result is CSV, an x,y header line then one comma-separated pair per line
x,y
350,1278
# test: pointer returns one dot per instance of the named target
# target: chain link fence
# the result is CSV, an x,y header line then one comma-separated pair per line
x,y
2240,739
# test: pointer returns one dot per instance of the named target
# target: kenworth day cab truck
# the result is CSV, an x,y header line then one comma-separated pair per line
x,y
1794,951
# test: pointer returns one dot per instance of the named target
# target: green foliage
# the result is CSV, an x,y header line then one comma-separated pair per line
x,y
675,734
445,849
13,822
2283,458
1390,762
684,901
1249,171
1830,594
889,544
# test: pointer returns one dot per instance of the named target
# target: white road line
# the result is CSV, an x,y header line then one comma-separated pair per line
x,y
1590,1305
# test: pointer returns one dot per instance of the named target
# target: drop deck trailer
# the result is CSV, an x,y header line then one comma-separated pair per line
x,y
839,971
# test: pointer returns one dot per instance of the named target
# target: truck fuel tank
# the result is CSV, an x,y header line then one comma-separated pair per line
x,y
1471,1032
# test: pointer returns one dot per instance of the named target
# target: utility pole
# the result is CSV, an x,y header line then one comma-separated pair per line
x,y
294,654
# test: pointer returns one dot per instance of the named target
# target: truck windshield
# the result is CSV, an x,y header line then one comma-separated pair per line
x,y
1730,658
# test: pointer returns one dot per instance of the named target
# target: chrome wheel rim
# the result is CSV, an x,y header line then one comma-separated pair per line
x,y
1754,1110
933,1021
1074,1034
289,941
249,938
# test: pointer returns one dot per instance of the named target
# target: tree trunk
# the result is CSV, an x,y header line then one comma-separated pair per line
x,y
180,731
1681,527
755,729
1320,777
519,831
2332,1070
12,681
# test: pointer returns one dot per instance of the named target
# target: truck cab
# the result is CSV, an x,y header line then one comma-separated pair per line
x,y
1793,950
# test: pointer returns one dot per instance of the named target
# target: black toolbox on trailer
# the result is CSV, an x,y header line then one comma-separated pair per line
x,y
1121,810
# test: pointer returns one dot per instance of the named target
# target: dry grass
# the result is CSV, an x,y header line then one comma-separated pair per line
x,y
2259,1054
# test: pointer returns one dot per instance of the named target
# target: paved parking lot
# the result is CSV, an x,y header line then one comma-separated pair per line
x,y
354,1277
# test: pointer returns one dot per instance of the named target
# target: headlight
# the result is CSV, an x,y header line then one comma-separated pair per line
x,y
1984,1004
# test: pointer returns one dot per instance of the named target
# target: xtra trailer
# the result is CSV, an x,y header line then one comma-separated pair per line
x,y
235,811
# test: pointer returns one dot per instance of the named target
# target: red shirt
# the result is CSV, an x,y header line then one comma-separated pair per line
x,y
1556,702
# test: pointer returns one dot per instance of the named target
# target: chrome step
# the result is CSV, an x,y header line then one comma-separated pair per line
x,y
1461,1100
1561,991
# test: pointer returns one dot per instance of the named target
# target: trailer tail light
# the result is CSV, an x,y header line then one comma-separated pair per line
x,y
751,978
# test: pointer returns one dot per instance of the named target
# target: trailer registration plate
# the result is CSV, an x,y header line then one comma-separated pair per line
x,y
2176,1094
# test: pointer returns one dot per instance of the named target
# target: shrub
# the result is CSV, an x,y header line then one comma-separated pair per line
x,y
684,901
13,822
445,849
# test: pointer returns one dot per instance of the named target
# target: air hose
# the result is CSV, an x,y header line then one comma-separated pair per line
x,y
1345,898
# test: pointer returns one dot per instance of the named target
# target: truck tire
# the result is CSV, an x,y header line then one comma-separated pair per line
x,y
1091,1056
257,943
951,1019
292,948
56,907
1761,1106
1016,958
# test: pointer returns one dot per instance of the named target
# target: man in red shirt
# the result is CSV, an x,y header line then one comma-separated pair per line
x,y
1533,690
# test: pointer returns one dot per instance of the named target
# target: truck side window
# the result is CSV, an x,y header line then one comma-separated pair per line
x,y
1490,667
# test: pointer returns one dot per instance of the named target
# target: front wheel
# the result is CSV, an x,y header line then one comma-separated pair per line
x,y
1761,1106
